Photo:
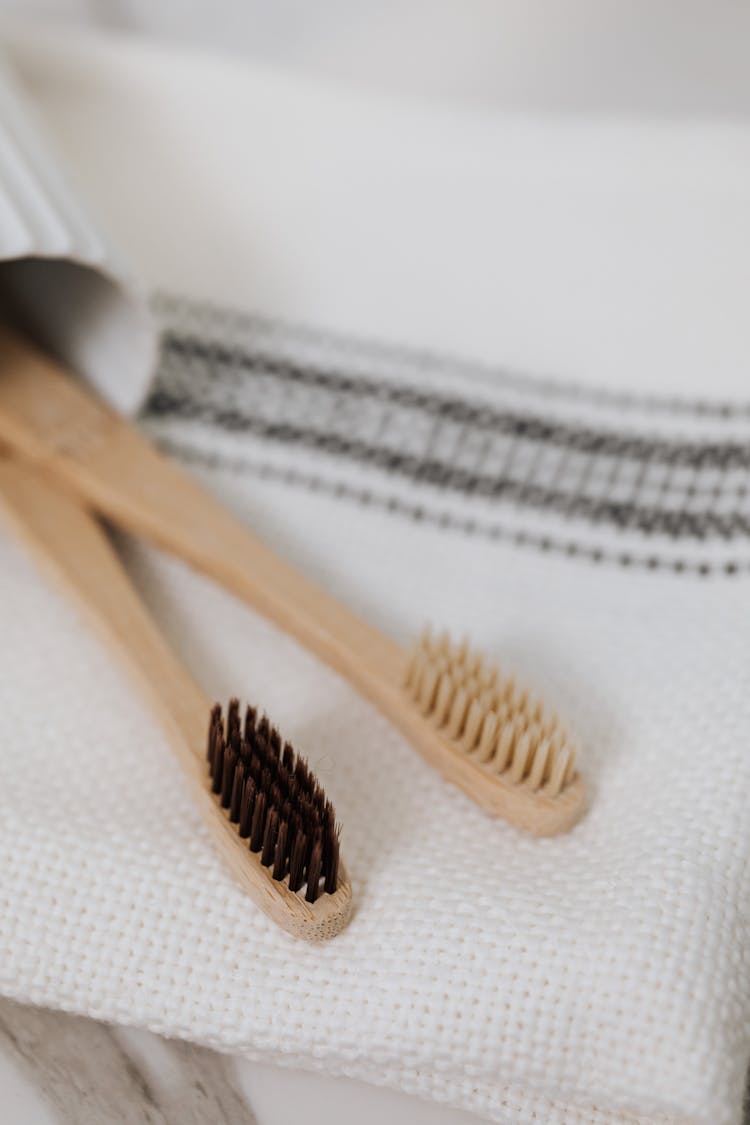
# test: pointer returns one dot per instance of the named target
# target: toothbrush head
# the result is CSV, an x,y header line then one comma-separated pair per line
x,y
497,742
275,803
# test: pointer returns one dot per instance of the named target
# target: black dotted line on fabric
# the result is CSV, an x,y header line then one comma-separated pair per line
x,y
174,311
480,416
677,523
446,521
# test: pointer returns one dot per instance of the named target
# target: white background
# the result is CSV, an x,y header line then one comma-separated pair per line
x,y
675,57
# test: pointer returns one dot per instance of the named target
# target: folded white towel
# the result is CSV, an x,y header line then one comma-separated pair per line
x,y
598,545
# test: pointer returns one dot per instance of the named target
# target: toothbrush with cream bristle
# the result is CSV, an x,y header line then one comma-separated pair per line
x,y
480,729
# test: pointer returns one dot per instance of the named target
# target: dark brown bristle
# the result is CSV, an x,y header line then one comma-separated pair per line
x,y
259,822
301,774
297,862
213,723
269,838
331,862
251,717
280,858
275,799
246,752
306,810
294,828
218,765
246,808
254,770
313,872
283,778
227,778
314,839
237,787
233,717
214,737
260,752
266,780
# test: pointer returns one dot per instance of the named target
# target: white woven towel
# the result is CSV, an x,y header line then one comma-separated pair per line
x,y
599,548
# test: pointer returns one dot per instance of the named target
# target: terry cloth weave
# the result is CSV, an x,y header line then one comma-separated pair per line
x,y
598,545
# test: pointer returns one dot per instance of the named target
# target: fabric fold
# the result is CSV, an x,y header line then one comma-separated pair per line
x,y
58,273
594,540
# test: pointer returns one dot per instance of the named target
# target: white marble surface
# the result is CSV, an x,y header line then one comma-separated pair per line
x,y
58,1069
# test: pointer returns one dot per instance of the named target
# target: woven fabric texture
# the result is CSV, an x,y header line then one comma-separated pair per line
x,y
597,978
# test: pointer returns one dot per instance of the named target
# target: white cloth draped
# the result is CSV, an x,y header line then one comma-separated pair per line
x,y
599,978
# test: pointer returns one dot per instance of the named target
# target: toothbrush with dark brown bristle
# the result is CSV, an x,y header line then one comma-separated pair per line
x,y
266,811
481,730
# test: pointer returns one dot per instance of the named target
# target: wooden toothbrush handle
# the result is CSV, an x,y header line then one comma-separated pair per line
x,y
50,419
70,545
74,550
53,420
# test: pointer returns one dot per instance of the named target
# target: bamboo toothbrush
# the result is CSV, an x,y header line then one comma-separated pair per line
x,y
478,728
267,814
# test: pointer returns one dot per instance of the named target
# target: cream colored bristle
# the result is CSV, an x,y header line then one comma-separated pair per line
x,y
489,696
491,676
539,764
507,689
472,727
521,754
570,772
412,665
558,772
503,715
443,644
446,690
488,737
520,722
457,713
520,699
418,665
428,687
535,711
471,687
489,717
504,749
550,725
499,702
